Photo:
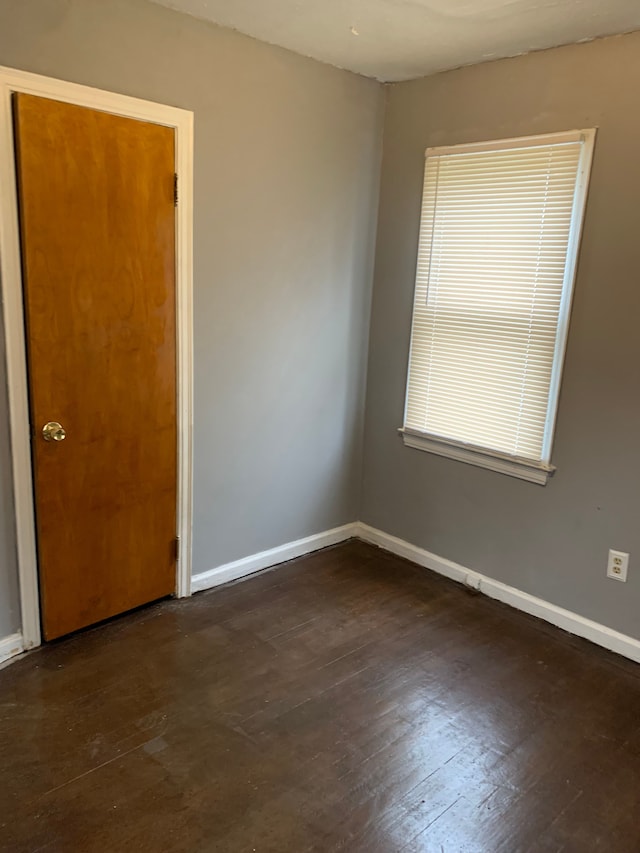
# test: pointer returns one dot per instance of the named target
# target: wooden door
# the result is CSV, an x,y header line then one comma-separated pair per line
x,y
97,226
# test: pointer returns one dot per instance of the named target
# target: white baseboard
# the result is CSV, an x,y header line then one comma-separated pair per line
x,y
628,647
10,646
622,644
266,559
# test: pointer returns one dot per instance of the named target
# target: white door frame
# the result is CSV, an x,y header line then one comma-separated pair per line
x,y
15,343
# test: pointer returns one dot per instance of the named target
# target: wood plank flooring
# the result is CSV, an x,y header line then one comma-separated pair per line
x,y
346,701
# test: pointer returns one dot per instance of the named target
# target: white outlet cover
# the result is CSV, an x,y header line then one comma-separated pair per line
x,y
618,565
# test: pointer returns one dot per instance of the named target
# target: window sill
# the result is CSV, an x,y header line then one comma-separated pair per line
x,y
513,466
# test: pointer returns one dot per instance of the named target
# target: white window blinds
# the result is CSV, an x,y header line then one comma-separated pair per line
x,y
498,239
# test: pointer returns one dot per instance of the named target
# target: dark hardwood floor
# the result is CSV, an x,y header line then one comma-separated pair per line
x,y
346,701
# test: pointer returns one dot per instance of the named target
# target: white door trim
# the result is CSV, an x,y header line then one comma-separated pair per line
x,y
15,345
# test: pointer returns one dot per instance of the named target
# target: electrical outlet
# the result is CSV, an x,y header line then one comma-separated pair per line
x,y
618,565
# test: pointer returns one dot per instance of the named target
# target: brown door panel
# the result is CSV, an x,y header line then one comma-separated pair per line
x,y
98,247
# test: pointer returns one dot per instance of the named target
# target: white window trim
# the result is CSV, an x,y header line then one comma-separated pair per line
x,y
515,466
525,469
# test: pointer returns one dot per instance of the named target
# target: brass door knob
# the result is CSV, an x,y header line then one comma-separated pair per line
x,y
53,431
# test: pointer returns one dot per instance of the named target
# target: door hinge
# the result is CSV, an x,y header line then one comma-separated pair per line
x,y
175,190
176,545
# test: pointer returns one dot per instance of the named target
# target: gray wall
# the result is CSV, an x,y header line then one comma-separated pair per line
x,y
286,175
550,541
286,170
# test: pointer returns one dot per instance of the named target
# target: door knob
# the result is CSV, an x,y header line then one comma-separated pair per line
x,y
53,431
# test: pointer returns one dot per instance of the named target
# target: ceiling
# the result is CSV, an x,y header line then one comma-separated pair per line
x,y
401,39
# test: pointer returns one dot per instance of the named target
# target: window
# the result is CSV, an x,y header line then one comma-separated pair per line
x,y
499,237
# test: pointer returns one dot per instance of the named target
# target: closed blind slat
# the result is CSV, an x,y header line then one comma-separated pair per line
x,y
494,238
